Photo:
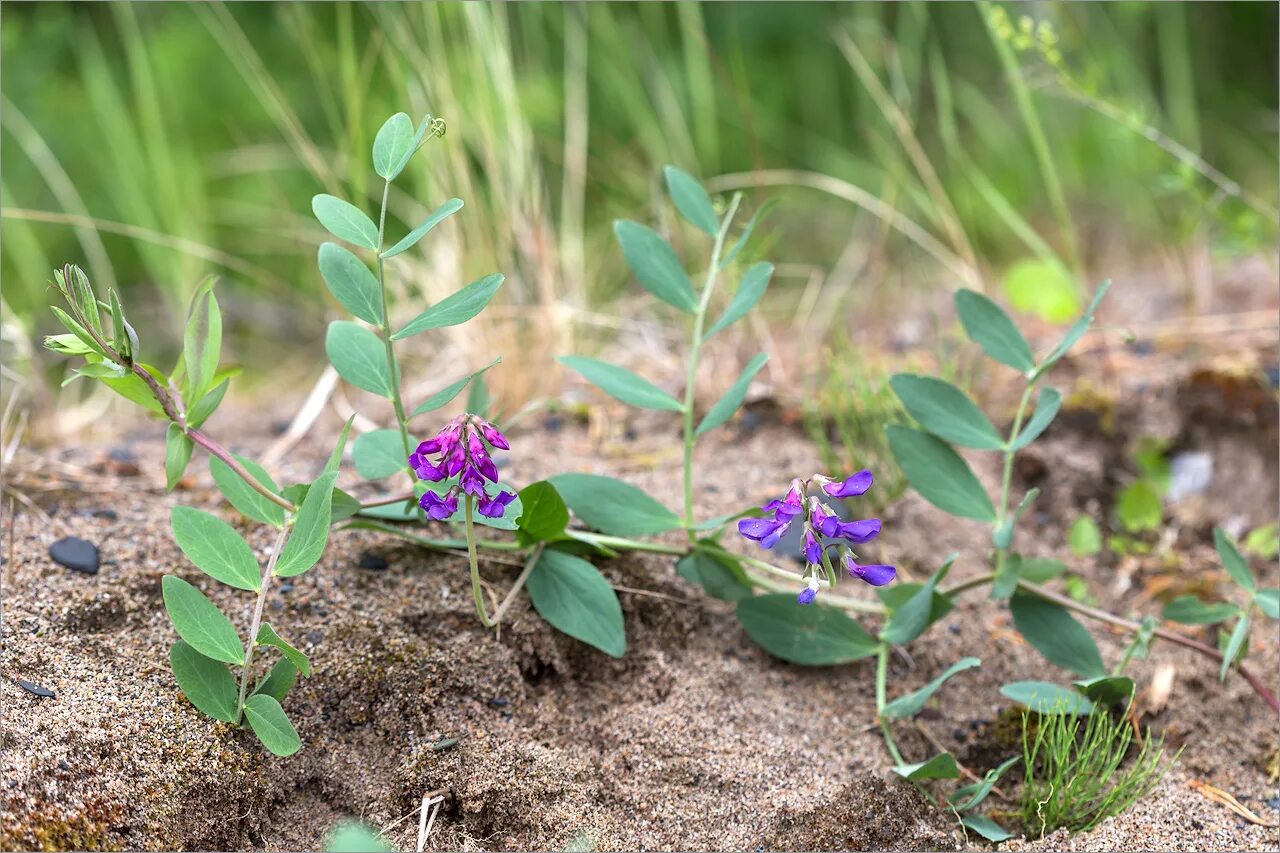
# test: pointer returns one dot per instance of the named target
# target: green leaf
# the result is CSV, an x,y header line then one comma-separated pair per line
x,y
310,530
242,496
1043,288
945,411
1106,689
939,474
575,599
455,308
1268,601
279,680
177,453
813,635
720,577
202,343
1040,569
1046,410
269,723
359,357
621,383
612,506
1138,507
1077,330
478,399
1190,610
1006,575
941,766
1002,536
132,388
1045,698
379,454
199,621
440,214
909,619
267,636
205,682
1232,561
545,515
393,145
1085,539
78,330
344,506
753,285
896,596
1238,636
1056,634
732,399
351,282
206,405
1263,541
335,457
445,395
910,704
691,200
655,265
986,827
345,221
215,548
971,796
990,328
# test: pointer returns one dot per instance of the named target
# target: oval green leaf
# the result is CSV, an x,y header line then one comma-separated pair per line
x,y
732,399
544,516
612,506
939,474
351,282
1056,635
279,681
455,308
719,576
752,287
1106,689
1232,561
575,599
269,723
177,454
622,384
267,636
1047,407
244,498
445,395
941,766
379,454
812,635
910,704
1046,698
990,328
345,221
655,265
205,682
199,621
946,411
359,357
1190,610
393,145
691,200
310,531
215,548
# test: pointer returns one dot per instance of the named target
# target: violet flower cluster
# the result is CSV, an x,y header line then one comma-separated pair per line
x,y
461,452
823,530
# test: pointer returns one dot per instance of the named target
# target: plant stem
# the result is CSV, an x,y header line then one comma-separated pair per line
x,y
384,329
1007,479
476,592
246,672
882,677
695,349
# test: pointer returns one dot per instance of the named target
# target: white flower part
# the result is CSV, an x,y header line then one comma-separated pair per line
x,y
814,583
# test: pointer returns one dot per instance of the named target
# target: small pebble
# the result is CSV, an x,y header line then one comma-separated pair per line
x,y
63,765
498,702
285,588
106,514
373,562
442,745
553,423
76,554
42,692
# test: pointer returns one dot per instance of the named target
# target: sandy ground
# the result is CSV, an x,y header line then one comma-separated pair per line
x,y
694,740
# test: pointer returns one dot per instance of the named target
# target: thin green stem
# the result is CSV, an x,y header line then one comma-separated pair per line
x,y
604,541
695,350
1007,479
384,329
246,672
882,678
476,592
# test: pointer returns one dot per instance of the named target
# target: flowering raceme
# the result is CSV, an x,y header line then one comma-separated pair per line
x,y
461,451
823,530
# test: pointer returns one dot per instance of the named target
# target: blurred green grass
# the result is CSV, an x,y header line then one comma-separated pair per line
x,y
157,142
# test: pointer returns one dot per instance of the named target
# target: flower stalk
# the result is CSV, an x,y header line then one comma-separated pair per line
x,y
255,624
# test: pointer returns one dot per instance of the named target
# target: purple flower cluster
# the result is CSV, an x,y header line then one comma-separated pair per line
x,y
461,452
823,529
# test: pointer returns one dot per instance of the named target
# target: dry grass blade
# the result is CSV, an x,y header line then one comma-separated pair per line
x,y
1221,797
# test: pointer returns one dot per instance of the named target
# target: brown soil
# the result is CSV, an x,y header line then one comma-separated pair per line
x,y
694,740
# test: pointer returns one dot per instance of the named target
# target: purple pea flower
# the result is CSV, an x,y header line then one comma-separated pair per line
x,y
461,452
820,522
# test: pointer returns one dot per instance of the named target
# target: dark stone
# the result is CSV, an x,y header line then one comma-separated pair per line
x,y
553,423
106,514
36,689
314,637
1273,376
285,588
498,702
277,606
76,554
373,561
63,765
1141,347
